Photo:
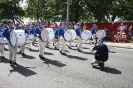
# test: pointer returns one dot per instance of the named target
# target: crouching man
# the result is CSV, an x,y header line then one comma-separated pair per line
x,y
101,55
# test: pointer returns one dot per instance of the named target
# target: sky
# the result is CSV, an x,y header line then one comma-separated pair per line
x,y
23,4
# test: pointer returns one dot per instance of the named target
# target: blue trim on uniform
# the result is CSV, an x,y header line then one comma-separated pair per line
x,y
78,31
93,31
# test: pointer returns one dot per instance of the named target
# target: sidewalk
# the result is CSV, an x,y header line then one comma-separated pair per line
x,y
113,44
120,45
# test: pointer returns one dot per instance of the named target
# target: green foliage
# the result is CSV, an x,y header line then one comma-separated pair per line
x,y
9,9
80,10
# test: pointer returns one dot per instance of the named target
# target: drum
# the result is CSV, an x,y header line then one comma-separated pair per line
x,y
70,35
17,37
47,34
86,35
31,36
100,34
3,40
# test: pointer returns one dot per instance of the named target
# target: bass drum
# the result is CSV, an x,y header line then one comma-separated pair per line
x,y
17,37
70,35
86,35
100,34
47,34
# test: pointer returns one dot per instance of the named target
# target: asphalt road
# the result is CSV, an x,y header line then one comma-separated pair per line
x,y
70,71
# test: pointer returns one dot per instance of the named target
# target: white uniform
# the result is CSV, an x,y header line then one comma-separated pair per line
x,y
1,43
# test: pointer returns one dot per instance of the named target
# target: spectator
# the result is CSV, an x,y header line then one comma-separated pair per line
x,y
122,29
123,37
112,28
117,37
105,29
130,31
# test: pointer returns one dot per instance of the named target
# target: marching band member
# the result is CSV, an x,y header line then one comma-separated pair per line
x,y
70,43
41,43
78,32
29,31
1,44
93,31
48,26
55,27
57,37
17,26
12,49
61,39
35,37
22,48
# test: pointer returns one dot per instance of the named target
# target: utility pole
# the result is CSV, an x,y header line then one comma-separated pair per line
x,y
68,11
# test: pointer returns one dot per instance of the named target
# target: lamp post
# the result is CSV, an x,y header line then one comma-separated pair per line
x,y
68,12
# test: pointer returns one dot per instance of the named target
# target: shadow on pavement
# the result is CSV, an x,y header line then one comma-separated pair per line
x,y
52,48
75,57
4,60
22,70
112,70
85,48
72,48
112,52
28,56
53,62
32,50
88,53
47,53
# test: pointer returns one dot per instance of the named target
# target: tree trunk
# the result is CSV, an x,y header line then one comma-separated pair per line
x,y
113,18
77,12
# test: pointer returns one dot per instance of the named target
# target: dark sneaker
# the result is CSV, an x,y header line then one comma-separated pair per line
x,y
69,47
2,56
101,64
14,63
33,43
29,49
23,54
20,52
10,62
79,50
62,53
42,57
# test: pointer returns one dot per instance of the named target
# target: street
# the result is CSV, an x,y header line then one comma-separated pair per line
x,y
70,71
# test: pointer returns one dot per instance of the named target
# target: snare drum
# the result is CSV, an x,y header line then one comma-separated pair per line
x,y
47,34
100,34
86,35
17,37
70,35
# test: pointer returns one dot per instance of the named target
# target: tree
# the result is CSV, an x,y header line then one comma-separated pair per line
x,y
9,9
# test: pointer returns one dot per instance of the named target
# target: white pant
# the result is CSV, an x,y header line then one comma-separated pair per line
x,y
47,43
70,43
2,49
61,40
93,38
29,44
12,52
57,43
34,40
41,47
22,48
79,43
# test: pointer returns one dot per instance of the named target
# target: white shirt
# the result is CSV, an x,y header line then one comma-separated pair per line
x,y
122,28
